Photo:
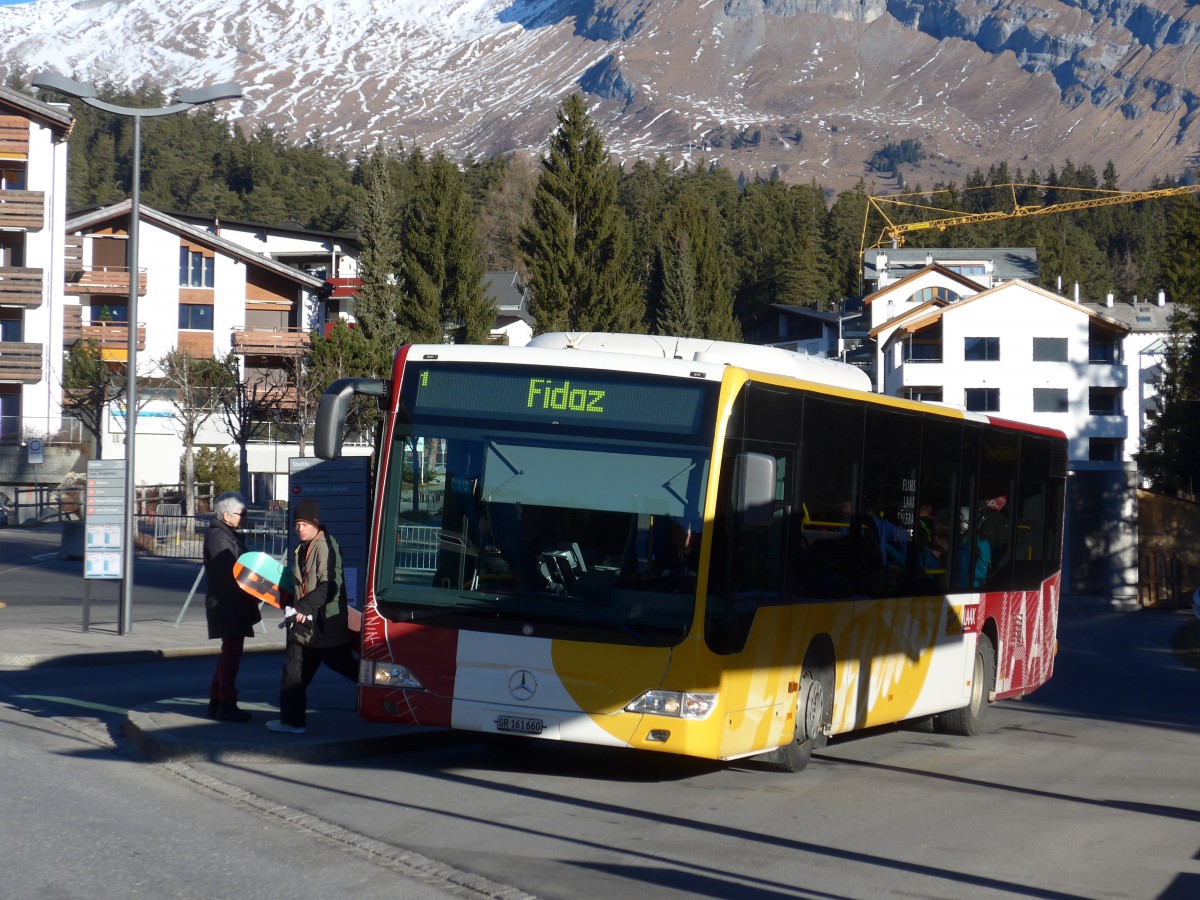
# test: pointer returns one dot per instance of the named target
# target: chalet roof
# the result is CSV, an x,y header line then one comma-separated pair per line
x,y
510,296
905,284
48,114
912,323
800,312
291,227
199,236
917,312
1008,263
1140,316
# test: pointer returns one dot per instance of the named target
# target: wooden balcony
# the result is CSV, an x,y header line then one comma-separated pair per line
x,y
106,280
14,137
23,209
21,286
20,362
113,339
251,341
72,324
289,398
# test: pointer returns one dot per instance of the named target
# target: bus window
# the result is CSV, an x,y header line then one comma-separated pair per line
x,y
1035,545
969,561
891,458
1001,451
750,562
836,557
831,463
931,558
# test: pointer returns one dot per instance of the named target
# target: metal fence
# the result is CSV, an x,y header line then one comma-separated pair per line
x,y
416,547
167,534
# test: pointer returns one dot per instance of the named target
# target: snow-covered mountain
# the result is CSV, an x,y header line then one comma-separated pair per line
x,y
811,86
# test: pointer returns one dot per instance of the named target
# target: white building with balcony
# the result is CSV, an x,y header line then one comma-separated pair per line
x,y
33,198
1020,352
197,292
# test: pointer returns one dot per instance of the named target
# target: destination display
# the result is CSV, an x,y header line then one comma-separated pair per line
x,y
592,399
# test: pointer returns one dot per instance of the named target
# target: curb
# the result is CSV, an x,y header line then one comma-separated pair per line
x,y
158,741
114,657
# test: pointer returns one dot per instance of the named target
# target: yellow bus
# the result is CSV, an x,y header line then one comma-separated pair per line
x,y
693,547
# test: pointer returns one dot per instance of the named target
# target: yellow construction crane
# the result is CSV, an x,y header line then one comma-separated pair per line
x,y
942,219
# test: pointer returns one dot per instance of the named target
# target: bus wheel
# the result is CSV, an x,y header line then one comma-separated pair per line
x,y
812,715
967,721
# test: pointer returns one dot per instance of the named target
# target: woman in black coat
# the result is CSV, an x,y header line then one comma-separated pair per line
x,y
231,612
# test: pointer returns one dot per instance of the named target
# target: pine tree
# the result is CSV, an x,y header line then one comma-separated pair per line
x,y
342,353
844,241
695,216
677,315
441,273
1171,446
377,303
577,245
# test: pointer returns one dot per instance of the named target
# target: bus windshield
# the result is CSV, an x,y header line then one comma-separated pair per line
x,y
575,529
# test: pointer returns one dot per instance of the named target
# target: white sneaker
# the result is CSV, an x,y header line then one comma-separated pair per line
x,y
284,727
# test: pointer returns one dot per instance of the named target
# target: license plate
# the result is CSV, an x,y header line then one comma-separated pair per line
x,y
519,725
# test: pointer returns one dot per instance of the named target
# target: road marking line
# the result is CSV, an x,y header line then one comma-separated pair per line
x,y
69,701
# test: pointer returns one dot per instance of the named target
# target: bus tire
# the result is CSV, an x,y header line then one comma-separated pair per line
x,y
968,720
814,710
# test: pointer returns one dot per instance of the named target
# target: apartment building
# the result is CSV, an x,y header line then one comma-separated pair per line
x,y
33,196
1016,351
197,291
327,255
1143,349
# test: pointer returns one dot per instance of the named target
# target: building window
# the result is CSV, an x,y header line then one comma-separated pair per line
x,y
981,349
1104,450
10,325
982,399
1049,349
12,176
12,248
922,352
101,313
10,412
195,318
1050,400
925,394
195,269
927,294
1104,401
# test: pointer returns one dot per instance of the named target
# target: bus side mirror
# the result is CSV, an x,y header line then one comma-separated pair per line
x,y
335,406
754,488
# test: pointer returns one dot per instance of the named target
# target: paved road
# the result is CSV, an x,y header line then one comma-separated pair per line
x,y
1086,789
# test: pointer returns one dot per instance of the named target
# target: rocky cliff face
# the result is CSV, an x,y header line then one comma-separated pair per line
x,y
809,87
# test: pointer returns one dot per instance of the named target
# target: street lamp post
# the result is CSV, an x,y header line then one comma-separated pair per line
x,y
186,100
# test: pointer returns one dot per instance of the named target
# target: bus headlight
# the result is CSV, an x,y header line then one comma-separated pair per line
x,y
386,674
679,704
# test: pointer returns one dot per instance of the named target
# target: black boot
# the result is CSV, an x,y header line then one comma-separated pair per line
x,y
229,712
213,705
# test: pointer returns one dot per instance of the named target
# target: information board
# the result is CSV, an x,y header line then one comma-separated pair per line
x,y
341,488
104,519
